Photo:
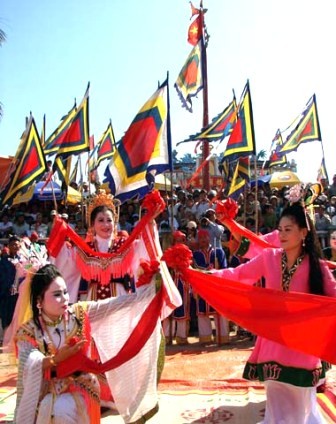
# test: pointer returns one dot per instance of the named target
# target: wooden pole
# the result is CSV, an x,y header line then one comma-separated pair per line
x,y
256,195
205,143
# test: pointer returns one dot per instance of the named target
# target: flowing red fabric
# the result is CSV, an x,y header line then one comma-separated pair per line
x,y
301,321
153,203
226,212
133,345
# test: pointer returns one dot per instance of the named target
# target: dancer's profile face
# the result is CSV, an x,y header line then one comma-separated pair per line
x,y
56,299
103,224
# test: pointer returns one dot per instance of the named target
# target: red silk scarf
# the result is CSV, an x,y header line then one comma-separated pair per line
x,y
301,321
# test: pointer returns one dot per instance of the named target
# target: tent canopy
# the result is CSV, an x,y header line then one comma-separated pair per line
x,y
284,178
162,182
278,179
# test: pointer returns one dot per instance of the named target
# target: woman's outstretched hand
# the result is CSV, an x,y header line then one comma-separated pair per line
x,y
69,350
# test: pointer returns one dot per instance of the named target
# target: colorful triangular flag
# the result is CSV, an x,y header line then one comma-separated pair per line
x,y
306,130
220,127
30,165
106,145
62,166
92,159
72,135
190,79
322,173
144,151
241,141
241,177
74,172
275,159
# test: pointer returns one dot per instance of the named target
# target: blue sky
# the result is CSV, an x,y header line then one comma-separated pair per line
x,y
285,49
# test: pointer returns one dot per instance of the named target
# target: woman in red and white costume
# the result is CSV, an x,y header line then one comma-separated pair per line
x,y
105,260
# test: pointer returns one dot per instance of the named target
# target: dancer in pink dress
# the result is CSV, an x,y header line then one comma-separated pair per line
x,y
290,376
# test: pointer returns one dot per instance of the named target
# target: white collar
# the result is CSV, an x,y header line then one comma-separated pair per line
x,y
103,243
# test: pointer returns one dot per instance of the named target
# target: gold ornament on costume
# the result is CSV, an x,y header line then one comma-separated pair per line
x,y
103,199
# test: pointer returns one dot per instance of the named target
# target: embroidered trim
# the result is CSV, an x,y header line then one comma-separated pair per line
x,y
287,274
147,416
243,247
274,371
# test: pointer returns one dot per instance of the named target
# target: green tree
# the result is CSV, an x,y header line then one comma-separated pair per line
x,y
188,158
174,156
261,155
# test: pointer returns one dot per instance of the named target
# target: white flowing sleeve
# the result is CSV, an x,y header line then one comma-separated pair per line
x,y
66,263
29,383
133,384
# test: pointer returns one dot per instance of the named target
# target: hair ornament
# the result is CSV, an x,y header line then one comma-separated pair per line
x,y
103,199
304,193
296,193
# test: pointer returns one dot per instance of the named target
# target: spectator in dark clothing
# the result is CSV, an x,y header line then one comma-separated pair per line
x,y
8,281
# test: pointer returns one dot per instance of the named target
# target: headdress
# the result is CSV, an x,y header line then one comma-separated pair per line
x,y
102,199
305,194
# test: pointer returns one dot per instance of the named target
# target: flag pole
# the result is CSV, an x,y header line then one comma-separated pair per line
x,y
81,190
319,130
205,143
256,194
170,155
51,173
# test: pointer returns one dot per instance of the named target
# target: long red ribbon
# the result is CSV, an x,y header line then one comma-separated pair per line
x,y
301,321
133,345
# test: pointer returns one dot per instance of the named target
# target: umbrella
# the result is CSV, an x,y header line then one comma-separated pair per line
x,y
47,191
263,179
162,182
74,196
283,178
40,191
277,179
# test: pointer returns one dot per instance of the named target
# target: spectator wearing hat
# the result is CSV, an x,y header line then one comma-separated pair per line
x,y
206,257
215,230
65,217
53,215
85,190
191,229
212,194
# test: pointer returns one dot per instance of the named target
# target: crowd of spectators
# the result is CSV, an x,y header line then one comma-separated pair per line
x,y
187,211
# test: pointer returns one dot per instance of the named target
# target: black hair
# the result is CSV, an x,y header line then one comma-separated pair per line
x,y
311,247
13,238
39,285
97,210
